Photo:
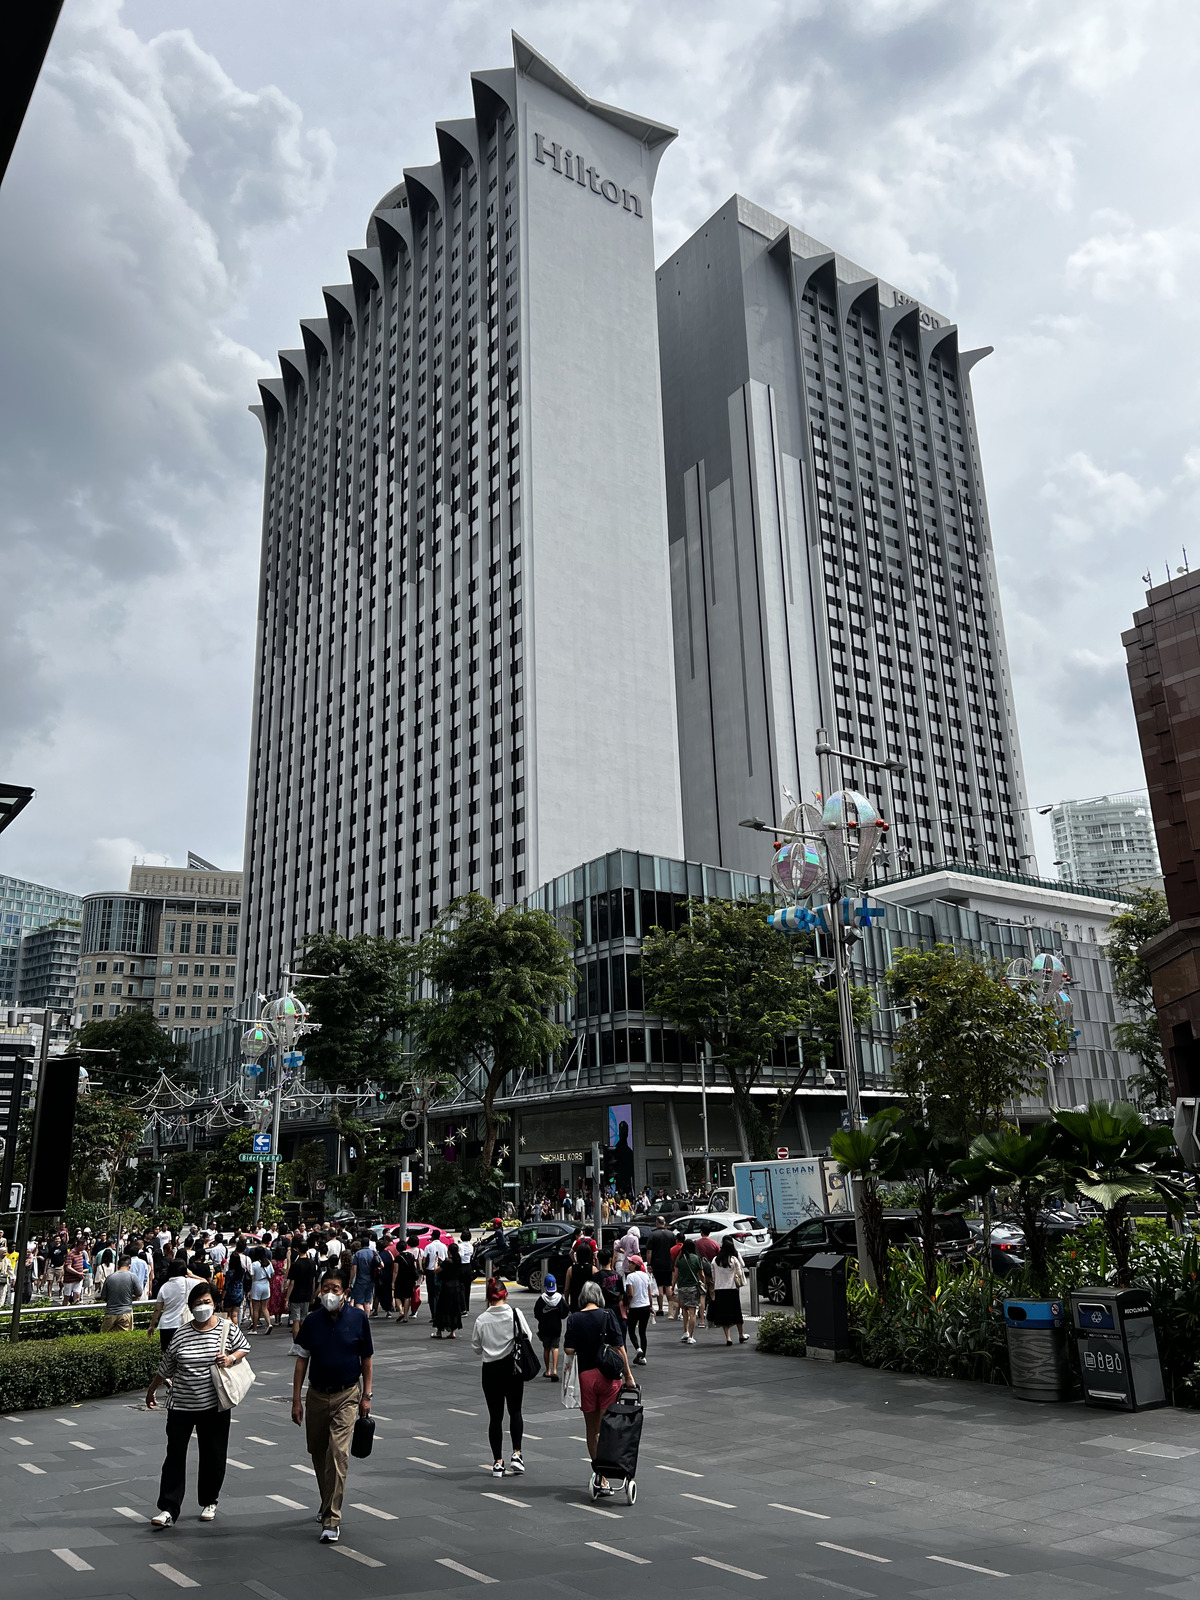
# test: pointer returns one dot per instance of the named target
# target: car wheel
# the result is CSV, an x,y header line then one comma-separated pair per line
x,y
777,1290
536,1278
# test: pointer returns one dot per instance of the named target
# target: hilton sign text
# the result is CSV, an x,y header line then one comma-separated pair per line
x,y
568,164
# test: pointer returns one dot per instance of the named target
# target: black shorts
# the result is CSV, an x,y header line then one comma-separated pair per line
x,y
663,1279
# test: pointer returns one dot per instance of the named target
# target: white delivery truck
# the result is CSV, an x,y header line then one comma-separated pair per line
x,y
784,1193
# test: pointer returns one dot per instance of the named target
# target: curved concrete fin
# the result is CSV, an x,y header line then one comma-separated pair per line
x,y
340,303
274,393
261,413
494,93
931,338
317,338
394,230
426,189
532,64
458,143
849,294
891,317
294,364
970,358
366,269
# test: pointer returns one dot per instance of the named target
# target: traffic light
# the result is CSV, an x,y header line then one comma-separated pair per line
x,y
608,1165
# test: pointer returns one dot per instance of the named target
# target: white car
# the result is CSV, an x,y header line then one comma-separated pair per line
x,y
750,1235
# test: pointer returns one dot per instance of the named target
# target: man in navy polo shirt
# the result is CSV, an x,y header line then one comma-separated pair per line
x,y
338,1354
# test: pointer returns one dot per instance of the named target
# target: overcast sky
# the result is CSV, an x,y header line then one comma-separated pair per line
x,y
189,176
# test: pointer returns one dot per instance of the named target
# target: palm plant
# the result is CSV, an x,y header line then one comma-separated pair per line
x,y
869,1155
1113,1156
1029,1167
927,1159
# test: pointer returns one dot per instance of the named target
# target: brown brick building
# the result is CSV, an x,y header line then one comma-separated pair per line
x,y
1163,659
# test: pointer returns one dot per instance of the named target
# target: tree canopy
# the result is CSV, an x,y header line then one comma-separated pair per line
x,y
728,980
973,1044
1138,1033
131,1052
364,1006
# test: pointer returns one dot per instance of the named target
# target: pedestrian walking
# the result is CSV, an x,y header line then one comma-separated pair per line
x,y
192,1405
233,1292
261,1276
452,1282
728,1277
579,1275
637,1291
365,1265
658,1247
431,1257
170,1304
336,1351
118,1292
687,1285
494,1337
405,1283
706,1249
299,1288
589,1332
550,1312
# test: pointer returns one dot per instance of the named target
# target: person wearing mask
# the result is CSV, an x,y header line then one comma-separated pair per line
x,y
170,1304
118,1292
727,1279
494,1338
261,1274
661,1264
549,1312
432,1257
637,1290
589,1328
192,1404
335,1350
451,1275
687,1284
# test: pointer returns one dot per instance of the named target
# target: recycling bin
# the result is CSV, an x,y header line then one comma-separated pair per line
x,y
826,1322
1118,1349
1038,1360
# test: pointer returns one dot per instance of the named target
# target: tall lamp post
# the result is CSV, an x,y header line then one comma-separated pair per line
x,y
275,1031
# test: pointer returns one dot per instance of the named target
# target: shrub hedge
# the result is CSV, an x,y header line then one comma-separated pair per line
x,y
70,1322
56,1372
781,1333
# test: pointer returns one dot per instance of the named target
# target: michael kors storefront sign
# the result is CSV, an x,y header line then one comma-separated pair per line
x,y
569,164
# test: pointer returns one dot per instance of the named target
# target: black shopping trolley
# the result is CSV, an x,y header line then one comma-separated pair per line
x,y
620,1436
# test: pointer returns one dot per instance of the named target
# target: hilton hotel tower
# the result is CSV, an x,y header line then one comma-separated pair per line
x,y
465,676
831,557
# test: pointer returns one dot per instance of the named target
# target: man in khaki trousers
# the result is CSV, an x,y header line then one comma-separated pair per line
x,y
335,1349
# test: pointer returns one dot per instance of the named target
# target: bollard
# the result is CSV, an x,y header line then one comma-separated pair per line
x,y
797,1291
753,1276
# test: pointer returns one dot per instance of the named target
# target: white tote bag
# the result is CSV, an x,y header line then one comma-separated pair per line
x,y
231,1383
569,1389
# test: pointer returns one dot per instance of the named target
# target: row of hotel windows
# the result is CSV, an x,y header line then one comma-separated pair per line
x,y
151,969
182,1013
178,938
164,990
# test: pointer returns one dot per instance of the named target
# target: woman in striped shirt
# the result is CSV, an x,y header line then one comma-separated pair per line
x,y
187,1365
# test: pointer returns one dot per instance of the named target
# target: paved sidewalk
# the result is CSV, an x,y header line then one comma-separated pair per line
x,y
755,1470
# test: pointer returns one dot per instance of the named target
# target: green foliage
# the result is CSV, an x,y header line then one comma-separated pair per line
x,y
364,1006
974,1043
459,1196
730,982
1139,1034
300,1174
1113,1156
957,1332
1028,1169
137,1051
68,1322
927,1158
231,1179
495,975
782,1333
56,1372
871,1154
107,1133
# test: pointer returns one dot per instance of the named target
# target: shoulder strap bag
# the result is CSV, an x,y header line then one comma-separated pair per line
x,y
526,1363
231,1383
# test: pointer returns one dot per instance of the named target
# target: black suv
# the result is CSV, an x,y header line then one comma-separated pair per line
x,y
531,1269
836,1234
519,1241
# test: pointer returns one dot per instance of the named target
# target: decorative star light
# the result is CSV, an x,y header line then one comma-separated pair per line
x,y
504,1150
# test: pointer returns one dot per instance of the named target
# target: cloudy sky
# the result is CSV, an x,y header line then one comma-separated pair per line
x,y
189,176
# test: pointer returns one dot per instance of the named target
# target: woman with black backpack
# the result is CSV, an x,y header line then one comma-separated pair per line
x,y
494,1337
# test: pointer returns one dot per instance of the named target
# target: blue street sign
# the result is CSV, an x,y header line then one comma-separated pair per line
x,y
262,1144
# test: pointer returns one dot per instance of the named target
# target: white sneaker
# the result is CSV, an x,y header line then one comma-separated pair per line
x,y
330,1535
162,1520
208,1514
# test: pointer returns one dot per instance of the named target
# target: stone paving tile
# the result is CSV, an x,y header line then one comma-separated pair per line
x,y
1161,1561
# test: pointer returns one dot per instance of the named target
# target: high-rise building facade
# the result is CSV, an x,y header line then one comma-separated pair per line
x,y
1107,842
465,675
173,953
831,556
47,960
23,907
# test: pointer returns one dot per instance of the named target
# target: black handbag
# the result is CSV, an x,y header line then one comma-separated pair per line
x,y
364,1436
609,1363
526,1364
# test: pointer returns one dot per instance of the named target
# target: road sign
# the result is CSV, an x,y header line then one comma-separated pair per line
x,y
405,1183
262,1144
258,1155
782,1153
16,1196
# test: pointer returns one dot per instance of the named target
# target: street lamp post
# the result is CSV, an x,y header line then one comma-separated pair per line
x,y
275,1032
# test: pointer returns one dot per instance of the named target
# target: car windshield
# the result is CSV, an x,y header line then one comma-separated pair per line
x,y
951,1227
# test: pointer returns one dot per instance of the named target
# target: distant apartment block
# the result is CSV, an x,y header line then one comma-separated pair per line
x,y
25,906
1106,843
47,959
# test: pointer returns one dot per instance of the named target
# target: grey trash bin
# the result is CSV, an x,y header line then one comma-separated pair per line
x,y
1118,1349
1037,1349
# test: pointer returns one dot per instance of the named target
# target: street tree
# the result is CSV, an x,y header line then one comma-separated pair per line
x,y
132,1052
926,1160
365,1003
731,983
973,1043
493,976
1138,1033
1113,1156
870,1155
1029,1169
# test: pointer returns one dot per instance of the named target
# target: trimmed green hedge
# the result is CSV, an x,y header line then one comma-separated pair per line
x,y
56,1372
69,1322
781,1333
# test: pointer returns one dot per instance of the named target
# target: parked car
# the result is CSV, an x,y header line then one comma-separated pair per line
x,y
750,1234
836,1234
519,1241
531,1269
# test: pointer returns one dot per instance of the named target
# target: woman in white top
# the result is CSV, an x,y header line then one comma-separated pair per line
x,y
170,1303
637,1293
727,1279
261,1274
494,1338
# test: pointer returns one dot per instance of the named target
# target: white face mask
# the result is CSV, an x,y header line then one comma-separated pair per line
x,y
331,1302
202,1312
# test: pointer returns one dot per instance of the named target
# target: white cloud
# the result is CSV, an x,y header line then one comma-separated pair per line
x,y
1122,260
1090,504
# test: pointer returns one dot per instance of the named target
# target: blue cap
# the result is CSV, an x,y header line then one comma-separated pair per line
x,y
549,1282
